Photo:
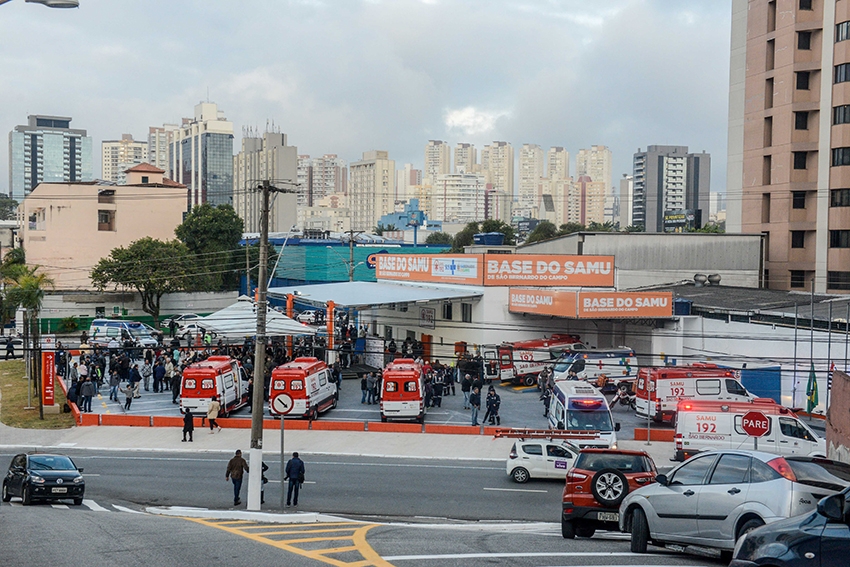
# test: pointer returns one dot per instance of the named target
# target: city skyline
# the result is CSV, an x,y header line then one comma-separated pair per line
x,y
398,95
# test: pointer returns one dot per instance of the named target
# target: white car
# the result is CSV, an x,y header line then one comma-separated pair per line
x,y
193,329
309,316
540,458
181,319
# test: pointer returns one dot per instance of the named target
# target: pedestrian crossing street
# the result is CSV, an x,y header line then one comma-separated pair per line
x,y
87,506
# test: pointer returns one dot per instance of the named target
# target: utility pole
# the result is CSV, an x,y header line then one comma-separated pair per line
x,y
351,233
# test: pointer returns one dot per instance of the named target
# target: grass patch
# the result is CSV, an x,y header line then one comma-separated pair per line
x,y
13,389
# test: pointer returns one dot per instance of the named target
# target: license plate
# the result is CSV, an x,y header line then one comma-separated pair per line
x,y
61,490
608,516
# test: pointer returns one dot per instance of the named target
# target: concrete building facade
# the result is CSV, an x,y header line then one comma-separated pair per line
x,y
466,159
406,178
627,188
531,167
458,198
558,163
47,150
597,163
265,157
438,160
159,142
371,189
117,156
497,164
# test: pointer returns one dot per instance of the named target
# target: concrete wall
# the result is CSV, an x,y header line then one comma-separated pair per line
x,y
838,419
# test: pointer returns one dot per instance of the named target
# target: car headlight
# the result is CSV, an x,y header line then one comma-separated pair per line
x,y
36,479
78,480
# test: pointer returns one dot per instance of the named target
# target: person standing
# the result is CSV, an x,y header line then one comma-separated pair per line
x,y
188,425
295,470
10,348
235,469
158,376
212,414
364,388
465,388
175,386
147,373
114,382
494,402
136,380
169,372
128,391
372,385
87,391
475,404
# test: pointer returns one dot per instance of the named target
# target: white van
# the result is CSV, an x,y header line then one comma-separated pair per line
x,y
578,407
302,388
616,363
102,331
705,426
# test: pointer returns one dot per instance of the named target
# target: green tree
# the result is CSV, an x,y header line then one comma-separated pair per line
x,y
710,228
381,229
493,225
543,231
151,267
8,207
607,226
439,238
12,268
635,228
464,237
212,234
570,228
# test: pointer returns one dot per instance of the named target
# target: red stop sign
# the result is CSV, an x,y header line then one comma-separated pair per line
x,y
755,423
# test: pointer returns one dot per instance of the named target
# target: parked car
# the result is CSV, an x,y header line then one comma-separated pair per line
x,y
596,485
103,331
816,539
180,319
39,476
714,498
308,316
540,458
193,329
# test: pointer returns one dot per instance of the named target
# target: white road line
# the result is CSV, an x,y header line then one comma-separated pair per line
x,y
15,504
516,490
508,555
60,506
94,506
124,509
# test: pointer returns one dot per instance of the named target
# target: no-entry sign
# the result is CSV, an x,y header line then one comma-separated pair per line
x,y
755,424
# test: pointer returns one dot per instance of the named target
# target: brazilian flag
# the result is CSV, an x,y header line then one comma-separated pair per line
x,y
812,391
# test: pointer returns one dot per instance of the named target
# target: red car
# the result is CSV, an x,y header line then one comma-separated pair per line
x,y
596,485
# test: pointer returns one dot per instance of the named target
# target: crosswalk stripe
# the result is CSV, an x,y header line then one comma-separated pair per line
x,y
94,506
124,509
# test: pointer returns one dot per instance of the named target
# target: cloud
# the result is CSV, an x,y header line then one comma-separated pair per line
x,y
471,121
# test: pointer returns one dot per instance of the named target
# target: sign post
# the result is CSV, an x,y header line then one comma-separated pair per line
x,y
48,373
755,424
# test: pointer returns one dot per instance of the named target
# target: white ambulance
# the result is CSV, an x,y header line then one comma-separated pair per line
x,y
219,376
403,391
302,388
520,362
576,406
708,425
616,363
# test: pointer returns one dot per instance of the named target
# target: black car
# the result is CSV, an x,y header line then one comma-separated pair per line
x,y
39,476
816,539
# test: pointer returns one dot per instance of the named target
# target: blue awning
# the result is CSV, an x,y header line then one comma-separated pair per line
x,y
375,294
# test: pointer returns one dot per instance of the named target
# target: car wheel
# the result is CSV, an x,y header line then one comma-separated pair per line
x,y
640,532
334,404
585,531
6,495
609,487
26,496
384,418
315,414
520,475
78,501
568,531
530,380
747,527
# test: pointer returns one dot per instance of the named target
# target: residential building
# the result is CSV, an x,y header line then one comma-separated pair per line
x,y
497,165
201,156
558,160
717,205
466,159
405,179
458,198
265,157
498,205
66,228
788,173
117,156
159,140
627,187
531,166
328,214
596,163
437,160
47,150
588,199
671,189
320,177
555,202
371,189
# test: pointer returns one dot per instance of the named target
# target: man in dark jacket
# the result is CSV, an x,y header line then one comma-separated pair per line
x,y
475,402
235,468
466,388
494,401
158,376
176,378
295,470
188,425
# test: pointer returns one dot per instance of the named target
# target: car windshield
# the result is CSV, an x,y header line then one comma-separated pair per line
x,y
599,461
139,331
562,364
51,463
589,420
821,473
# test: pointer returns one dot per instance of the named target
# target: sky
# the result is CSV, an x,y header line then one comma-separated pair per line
x,y
348,76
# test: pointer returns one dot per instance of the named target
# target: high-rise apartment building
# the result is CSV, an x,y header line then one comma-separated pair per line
x,y
788,174
47,150
320,177
264,157
201,156
531,166
558,163
117,156
588,200
405,179
596,163
466,159
437,160
159,140
458,198
371,189
497,165
671,189
627,187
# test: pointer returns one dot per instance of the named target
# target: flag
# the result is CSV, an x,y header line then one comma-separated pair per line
x,y
812,391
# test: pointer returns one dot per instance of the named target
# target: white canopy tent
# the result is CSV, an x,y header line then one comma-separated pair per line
x,y
240,320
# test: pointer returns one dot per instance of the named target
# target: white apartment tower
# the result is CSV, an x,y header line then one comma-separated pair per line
x,y
437,160
159,140
466,159
117,156
264,157
596,163
627,190
497,164
531,166
458,198
405,179
320,177
371,189
558,163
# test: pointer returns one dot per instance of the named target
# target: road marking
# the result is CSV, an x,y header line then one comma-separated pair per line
x,y
94,506
15,504
124,509
516,490
509,555
311,536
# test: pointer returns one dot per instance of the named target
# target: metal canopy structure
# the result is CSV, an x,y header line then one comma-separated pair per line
x,y
240,320
361,295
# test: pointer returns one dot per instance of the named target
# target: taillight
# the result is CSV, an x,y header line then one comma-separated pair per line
x,y
513,454
781,466
678,439
576,477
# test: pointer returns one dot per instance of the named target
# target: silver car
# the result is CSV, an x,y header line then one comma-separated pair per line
x,y
715,497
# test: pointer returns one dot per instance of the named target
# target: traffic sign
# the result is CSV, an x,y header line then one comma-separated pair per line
x,y
282,404
755,424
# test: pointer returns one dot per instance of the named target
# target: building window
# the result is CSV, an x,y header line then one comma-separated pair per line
x,y
838,280
801,120
841,114
798,239
402,307
839,198
447,311
805,4
842,31
839,238
842,73
798,199
388,332
798,278
799,160
106,220
804,40
840,156
145,179
802,80
466,312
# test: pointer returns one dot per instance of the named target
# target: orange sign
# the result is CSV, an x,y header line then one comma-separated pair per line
x,y
610,305
456,269
549,270
542,302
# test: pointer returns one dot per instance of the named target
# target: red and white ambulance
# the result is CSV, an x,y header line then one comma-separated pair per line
x,y
219,376
302,388
521,362
659,389
402,391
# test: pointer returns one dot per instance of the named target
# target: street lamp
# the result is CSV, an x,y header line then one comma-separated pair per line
x,y
350,263
53,3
